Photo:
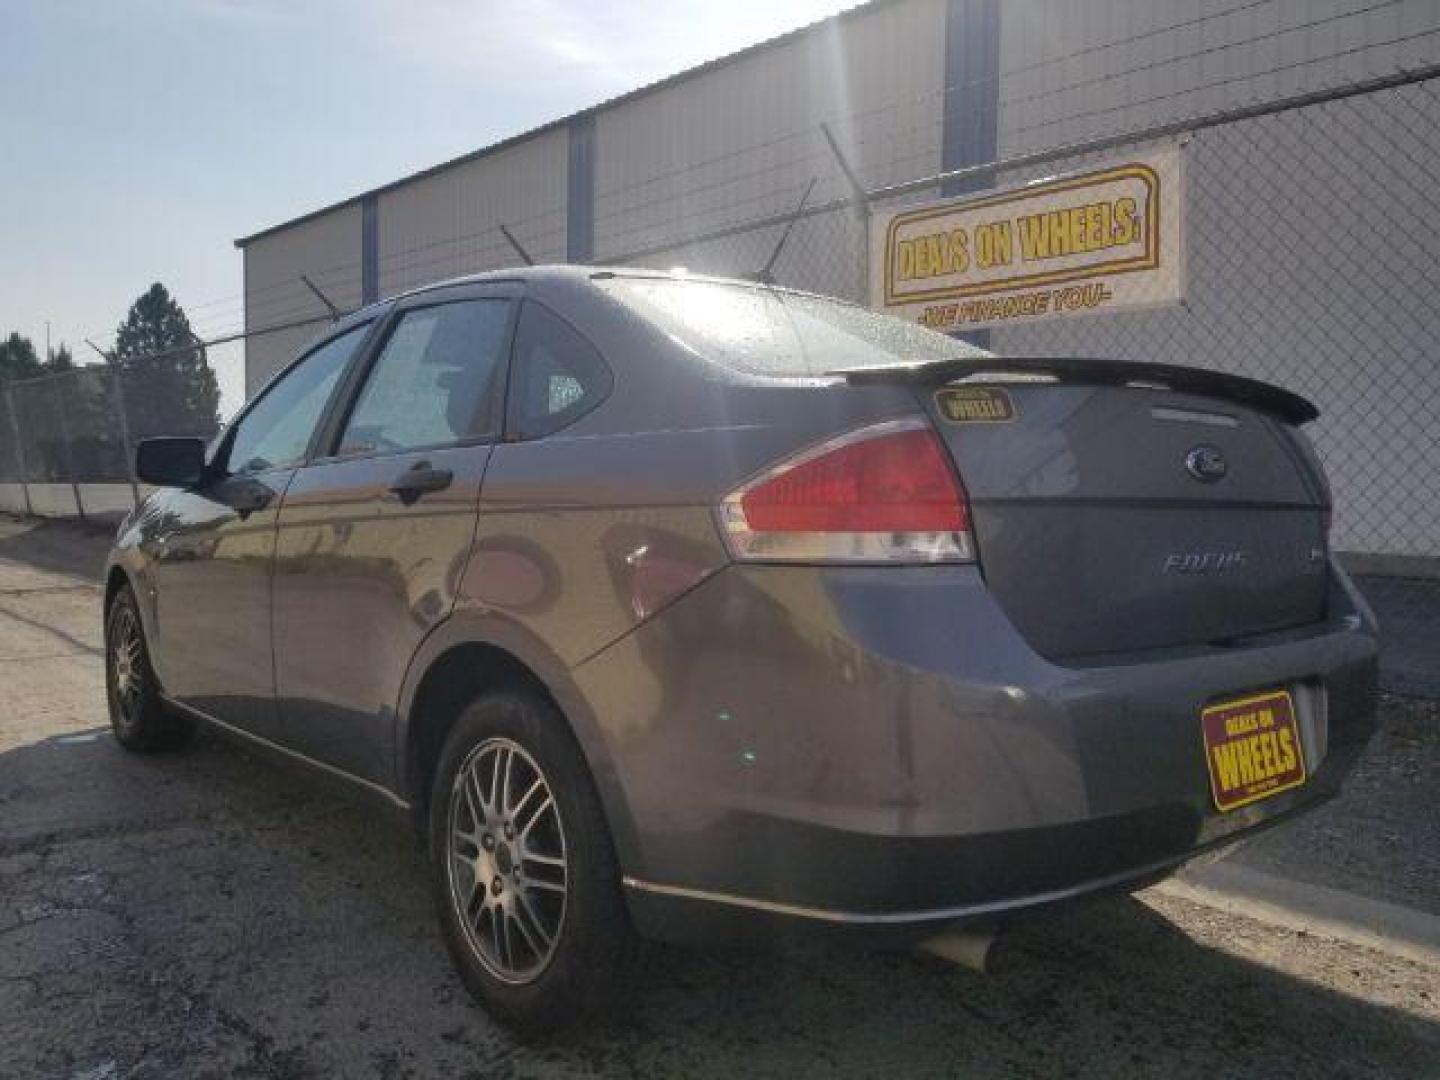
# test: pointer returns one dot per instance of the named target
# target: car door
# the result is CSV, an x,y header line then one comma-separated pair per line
x,y
375,532
211,559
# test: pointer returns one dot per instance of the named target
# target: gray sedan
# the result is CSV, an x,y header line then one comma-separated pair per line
x,y
698,607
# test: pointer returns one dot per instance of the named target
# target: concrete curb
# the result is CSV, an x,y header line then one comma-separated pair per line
x,y
1359,920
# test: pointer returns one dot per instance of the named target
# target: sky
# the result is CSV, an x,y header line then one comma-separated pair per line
x,y
139,138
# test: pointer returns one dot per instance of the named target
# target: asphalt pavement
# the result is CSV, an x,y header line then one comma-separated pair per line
x,y
1409,614
206,914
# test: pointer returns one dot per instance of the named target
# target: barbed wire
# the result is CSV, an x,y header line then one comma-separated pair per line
x,y
1216,84
277,300
291,305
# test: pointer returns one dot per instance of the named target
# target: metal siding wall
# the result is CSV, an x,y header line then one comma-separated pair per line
x,y
448,224
1273,290
726,145
742,140
328,249
1071,71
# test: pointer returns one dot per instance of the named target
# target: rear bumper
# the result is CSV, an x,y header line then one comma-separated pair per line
x,y
939,883
852,748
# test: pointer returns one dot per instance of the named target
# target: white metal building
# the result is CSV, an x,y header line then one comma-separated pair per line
x,y
911,88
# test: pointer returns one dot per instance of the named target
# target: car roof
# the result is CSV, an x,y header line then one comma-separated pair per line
x,y
576,273
566,276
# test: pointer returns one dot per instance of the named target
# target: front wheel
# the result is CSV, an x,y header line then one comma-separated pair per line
x,y
138,716
525,875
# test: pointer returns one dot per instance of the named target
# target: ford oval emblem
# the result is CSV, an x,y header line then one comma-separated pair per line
x,y
1206,464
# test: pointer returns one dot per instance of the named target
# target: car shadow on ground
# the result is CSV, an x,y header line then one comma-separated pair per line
x,y
207,914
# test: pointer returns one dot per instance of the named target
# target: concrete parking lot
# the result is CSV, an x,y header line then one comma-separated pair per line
x,y
204,914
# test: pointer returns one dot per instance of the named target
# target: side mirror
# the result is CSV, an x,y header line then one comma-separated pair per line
x,y
170,461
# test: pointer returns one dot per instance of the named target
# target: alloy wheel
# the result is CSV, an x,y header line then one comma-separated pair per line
x,y
506,862
127,671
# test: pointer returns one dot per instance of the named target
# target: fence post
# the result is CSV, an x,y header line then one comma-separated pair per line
x,y
125,443
69,450
19,448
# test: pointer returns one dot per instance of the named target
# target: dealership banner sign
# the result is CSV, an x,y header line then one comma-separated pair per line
x,y
1103,240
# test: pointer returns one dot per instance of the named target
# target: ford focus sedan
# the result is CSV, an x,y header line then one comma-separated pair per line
x,y
697,607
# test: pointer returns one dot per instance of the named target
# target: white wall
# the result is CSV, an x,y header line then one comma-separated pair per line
x,y
327,249
1310,234
1073,71
741,140
12,498
448,223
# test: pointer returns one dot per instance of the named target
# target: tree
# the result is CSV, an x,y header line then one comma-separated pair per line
x,y
169,388
18,359
60,359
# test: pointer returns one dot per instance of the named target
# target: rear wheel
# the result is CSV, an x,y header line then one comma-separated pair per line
x,y
138,717
525,876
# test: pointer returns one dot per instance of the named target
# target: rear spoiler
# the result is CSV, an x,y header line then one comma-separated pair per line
x,y
1218,384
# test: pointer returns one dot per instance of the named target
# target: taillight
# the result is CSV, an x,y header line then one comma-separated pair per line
x,y
885,493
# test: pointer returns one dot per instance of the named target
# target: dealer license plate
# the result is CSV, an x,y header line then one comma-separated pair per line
x,y
1252,746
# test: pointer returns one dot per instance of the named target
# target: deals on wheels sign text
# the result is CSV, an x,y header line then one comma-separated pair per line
x,y
1104,240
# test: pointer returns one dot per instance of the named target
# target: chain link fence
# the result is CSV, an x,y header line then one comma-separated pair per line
x,y
67,439
1311,226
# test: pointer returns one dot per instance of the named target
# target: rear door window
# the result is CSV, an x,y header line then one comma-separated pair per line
x,y
433,383
556,376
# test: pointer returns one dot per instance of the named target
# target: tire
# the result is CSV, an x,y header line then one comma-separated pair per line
x,y
138,716
538,958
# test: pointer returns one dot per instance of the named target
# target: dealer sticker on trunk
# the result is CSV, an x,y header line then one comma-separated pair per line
x,y
1252,746
975,404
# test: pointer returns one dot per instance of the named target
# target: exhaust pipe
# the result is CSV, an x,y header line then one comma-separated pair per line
x,y
974,949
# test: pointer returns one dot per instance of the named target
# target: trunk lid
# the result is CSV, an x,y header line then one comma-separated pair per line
x,y
1115,512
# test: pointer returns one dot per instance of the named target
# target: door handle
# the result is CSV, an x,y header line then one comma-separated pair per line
x,y
413,483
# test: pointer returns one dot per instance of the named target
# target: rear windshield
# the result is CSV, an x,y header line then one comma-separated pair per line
x,y
772,332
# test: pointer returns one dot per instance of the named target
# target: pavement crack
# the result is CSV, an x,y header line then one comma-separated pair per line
x,y
41,842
